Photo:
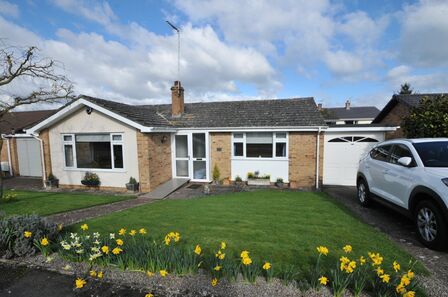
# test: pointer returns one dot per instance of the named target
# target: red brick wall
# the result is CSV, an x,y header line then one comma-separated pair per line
x,y
221,153
395,117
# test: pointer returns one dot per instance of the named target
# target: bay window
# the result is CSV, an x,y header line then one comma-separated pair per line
x,y
260,145
93,151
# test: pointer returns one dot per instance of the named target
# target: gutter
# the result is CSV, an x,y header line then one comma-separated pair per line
x,y
44,174
9,153
317,157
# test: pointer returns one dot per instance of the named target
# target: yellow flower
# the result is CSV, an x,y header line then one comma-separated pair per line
x,y
214,282
116,251
379,271
362,260
119,241
220,255
410,274
44,241
322,250
150,274
396,266
376,259
60,226
167,240
244,254
246,261
84,227
197,250
142,231
105,249
348,248
405,280
172,236
133,232
385,278
163,273
100,274
149,295
344,260
323,280
79,283
409,294
217,268
92,273
400,289
223,245
267,266
122,231
27,234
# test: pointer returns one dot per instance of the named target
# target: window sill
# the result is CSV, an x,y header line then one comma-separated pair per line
x,y
258,159
96,170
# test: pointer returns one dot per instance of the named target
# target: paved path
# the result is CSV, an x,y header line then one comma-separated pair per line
x,y
23,183
400,229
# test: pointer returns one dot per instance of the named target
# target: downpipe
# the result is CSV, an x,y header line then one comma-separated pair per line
x,y
42,156
317,157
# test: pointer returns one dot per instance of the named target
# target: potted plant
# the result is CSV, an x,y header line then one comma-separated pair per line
x,y
279,183
255,179
238,180
52,181
91,179
132,185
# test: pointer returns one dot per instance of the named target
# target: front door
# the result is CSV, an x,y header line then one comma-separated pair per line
x,y
191,155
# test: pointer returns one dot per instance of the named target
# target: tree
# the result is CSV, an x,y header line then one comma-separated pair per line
x,y
25,65
406,89
429,119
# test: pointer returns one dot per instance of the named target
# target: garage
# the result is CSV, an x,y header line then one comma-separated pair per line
x,y
343,148
29,157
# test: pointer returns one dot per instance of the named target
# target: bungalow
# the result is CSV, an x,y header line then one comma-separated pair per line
x,y
156,143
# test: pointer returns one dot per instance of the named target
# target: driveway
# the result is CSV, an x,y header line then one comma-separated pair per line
x,y
401,230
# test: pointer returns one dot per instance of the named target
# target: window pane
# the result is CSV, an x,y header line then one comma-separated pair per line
x,y
199,170
238,149
281,135
399,152
93,155
381,153
93,138
259,137
238,135
118,156
181,146
68,149
67,138
198,145
259,150
181,167
117,137
280,149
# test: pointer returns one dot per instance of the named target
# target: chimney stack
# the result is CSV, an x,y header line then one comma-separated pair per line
x,y
177,99
319,106
347,104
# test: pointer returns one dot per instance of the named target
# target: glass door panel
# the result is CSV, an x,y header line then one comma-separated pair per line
x,y
182,157
199,156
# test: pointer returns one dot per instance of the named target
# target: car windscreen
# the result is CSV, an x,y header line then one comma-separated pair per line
x,y
433,154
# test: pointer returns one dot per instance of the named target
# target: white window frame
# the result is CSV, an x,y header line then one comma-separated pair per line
x,y
112,143
274,141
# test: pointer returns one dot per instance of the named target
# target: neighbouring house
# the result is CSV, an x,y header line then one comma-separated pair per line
x,y
399,107
21,153
348,115
283,138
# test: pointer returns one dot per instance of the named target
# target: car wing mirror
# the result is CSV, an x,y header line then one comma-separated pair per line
x,y
405,161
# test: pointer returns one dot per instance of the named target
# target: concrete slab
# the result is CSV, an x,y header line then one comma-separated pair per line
x,y
166,188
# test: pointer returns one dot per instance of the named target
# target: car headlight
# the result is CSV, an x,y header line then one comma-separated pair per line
x,y
445,181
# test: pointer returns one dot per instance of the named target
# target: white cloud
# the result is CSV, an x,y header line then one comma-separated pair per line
x,y
9,9
424,39
362,29
343,63
432,81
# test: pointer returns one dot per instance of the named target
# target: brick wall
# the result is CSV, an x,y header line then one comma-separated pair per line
x,y
14,157
220,154
4,154
154,159
302,159
45,136
395,117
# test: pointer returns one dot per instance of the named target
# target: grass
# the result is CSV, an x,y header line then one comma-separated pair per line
x,y
46,203
282,227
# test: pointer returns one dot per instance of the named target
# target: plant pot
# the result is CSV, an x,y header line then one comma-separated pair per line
x,y
90,183
280,185
52,183
132,187
258,182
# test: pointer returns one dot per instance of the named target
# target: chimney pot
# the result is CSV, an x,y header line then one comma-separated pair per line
x,y
347,104
177,99
319,106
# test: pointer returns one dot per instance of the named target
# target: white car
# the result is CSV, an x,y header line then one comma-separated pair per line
x,y
411,175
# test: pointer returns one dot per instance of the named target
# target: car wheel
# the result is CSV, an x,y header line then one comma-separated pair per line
x,y
431,225
363,193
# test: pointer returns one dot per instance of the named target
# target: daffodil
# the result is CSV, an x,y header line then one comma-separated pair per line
x,y
400,289
348,248
197,250
267,266
163,273
362,260
217,268
214,282
79,283
410,274
323,280
405,280
84,227
322,250
377,260
44,241
244,254
119,241
122,231
220,255
92,273
116,251
409,294
142,231
396,266
133,232
27,234
246,261
379,271
149,295
385,278
100,274
223,245
150,274
105,249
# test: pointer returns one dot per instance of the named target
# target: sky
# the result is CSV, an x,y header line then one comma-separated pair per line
x,y
333,51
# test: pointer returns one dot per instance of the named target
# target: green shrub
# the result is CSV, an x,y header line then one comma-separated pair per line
x,y
19,233
132,181
9,197
238,179
216,173
91,179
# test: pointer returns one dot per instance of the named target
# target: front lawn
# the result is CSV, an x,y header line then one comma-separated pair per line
x,y
282,227
46,203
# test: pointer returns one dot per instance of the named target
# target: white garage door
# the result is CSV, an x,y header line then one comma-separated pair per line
x,y
28,151
342,153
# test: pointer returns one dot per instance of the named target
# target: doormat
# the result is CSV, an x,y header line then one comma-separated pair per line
x,y
194,186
